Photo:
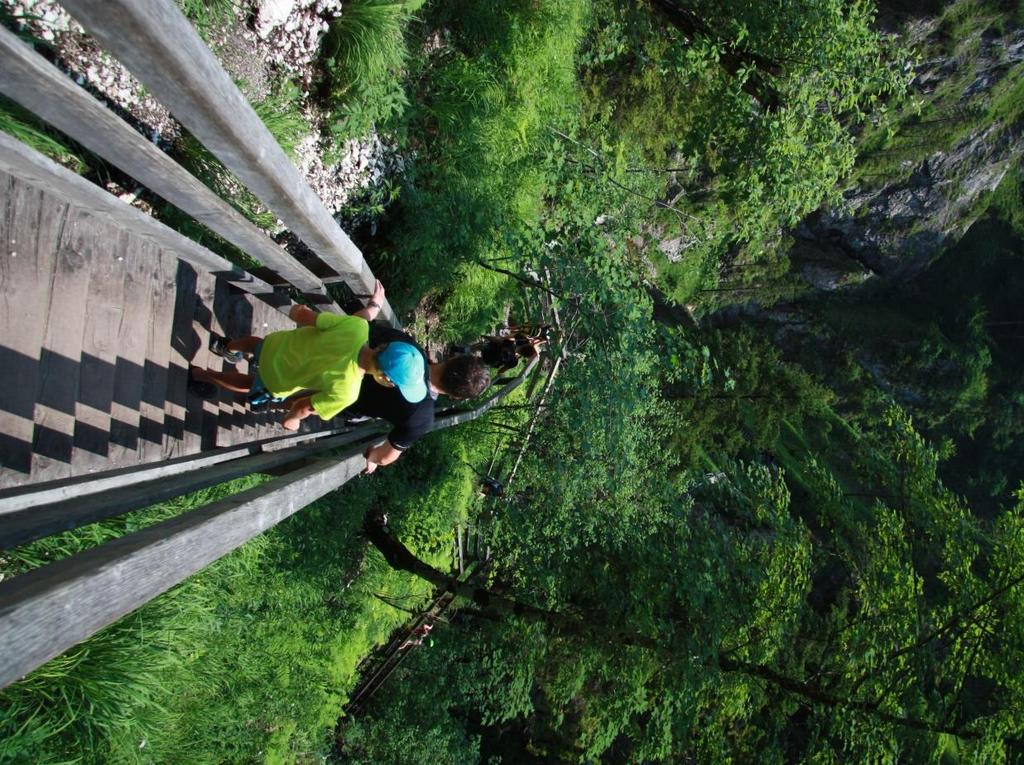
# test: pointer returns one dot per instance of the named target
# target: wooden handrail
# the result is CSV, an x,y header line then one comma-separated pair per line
x,y
160,47
48,610
40,87
38,521
34,495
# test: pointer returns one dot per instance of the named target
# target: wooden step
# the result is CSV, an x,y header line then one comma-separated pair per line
x,y
30,229
103,317
203,320
139,260
160,290
181,432
60,358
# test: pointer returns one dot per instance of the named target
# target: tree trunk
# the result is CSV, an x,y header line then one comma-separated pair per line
x,y
733,59
400,557
822,698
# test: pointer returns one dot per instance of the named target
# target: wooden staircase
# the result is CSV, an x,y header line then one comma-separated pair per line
x,y
100,326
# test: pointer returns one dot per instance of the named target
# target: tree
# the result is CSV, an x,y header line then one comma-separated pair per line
x,y
757,101
731,640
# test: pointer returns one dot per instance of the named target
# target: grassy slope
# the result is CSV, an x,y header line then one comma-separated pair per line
x,y
250,659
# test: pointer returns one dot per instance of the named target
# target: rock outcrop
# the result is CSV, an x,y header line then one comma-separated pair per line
x,y
897,230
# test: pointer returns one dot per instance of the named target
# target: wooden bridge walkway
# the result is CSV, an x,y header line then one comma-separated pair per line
x,y
98,326
102,310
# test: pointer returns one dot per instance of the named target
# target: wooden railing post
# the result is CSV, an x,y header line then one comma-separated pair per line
x,y
160,47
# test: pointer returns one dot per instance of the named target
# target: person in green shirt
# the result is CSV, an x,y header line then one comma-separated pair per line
x,y
326,357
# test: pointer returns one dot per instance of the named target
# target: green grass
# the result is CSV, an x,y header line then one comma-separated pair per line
x,y
363,57
251,659
205,15
479,129
281,112
21,124
106,694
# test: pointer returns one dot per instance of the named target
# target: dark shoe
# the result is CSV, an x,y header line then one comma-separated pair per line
x,y
201,388
259,402
219,347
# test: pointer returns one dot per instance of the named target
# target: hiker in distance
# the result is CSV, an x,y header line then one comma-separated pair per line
x,y
334,357
504,350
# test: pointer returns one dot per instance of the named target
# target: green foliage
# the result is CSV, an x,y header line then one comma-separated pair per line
x,y
735,395
24,126
480,111
402,727
750,528
363,57
761,142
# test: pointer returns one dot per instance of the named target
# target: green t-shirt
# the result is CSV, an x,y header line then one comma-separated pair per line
x,y
323,359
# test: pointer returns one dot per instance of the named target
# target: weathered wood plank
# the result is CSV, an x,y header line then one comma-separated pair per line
x,y
18,498
32,167
160,47
173,355
153,406
60,360
215,418
113,579
185,343
103,318
30,230
39,86
139,259
39,521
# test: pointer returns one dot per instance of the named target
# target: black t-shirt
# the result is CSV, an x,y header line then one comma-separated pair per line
x,y
409,421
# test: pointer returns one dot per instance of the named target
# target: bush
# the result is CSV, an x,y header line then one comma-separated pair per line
x,y
363,58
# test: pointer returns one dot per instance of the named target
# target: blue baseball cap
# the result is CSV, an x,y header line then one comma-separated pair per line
x,y
405,366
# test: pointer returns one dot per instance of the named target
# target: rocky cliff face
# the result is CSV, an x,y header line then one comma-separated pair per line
x,y
896,230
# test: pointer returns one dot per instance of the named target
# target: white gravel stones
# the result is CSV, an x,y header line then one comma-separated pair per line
x,y
291,31
364,164
271,14
80,55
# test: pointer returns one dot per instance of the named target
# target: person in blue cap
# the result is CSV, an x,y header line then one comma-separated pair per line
x,y
325,357
459,377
